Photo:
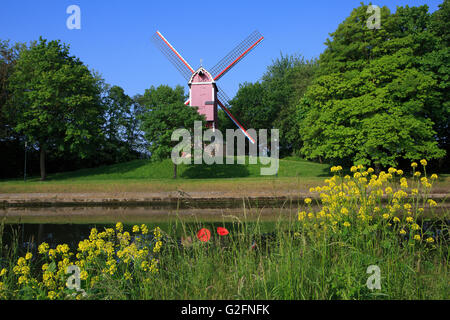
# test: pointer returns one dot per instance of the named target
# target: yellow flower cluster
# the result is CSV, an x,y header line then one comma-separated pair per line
x,y
112,253
336,168
368,200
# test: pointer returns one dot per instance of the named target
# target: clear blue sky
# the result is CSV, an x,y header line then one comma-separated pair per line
x,y
115,35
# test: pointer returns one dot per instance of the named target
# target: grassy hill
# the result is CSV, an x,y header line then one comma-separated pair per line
x,y
144,169
143,175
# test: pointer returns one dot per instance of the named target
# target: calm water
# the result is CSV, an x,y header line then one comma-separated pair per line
x,y
56,225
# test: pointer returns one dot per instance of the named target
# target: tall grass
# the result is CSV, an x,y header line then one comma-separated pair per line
x,y
324,253
288,264
285,263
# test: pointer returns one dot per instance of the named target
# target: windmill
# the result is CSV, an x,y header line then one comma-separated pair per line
x,y
204,92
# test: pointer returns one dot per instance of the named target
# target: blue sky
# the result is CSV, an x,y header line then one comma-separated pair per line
x,y
115,35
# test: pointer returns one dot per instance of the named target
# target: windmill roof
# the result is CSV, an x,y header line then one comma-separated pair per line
x,y
201,69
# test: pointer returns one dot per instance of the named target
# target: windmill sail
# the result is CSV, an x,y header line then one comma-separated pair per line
x,y
172,55
224,103
235,55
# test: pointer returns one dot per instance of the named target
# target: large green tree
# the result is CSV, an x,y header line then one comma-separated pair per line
x,y
164,112
271,103
286,81
370,102
9,54
437,63
121,124
55,101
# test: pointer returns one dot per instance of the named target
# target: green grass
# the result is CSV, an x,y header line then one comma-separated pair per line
x,y
323,252
300,267
143,175
291,264
146,170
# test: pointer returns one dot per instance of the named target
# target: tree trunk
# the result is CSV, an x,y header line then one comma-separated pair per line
x,y
42,163
40,234
174,171
377,168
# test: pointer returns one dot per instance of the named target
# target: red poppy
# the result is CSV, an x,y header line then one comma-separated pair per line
x,y
222,231
204,235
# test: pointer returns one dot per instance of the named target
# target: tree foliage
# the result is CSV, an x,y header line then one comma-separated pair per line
x,y
371,101
55,100
164,112
271,103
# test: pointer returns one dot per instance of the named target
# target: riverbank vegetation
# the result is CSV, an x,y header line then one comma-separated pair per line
x,y
329,251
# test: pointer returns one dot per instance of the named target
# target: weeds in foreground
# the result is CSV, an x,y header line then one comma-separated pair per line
x,y
359,221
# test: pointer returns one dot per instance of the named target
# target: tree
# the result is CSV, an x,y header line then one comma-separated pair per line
x,y
120,124
286,82
11,143
8,58
249,107
369,102
437,62
272,102
55,101
164,112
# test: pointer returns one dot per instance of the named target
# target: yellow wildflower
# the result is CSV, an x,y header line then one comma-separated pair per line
x,y
51,295
43,247
144,229
301,215
83,275
423,162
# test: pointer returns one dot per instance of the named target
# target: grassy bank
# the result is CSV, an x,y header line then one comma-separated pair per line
x,y
145,176
252,262
322,253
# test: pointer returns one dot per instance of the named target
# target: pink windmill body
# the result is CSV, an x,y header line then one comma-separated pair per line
x,y
203,90
203,94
